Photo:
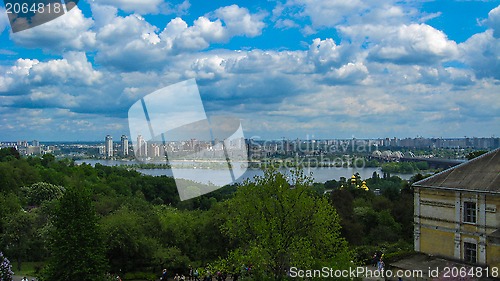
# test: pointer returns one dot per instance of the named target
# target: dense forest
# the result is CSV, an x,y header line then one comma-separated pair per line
x,y
79,222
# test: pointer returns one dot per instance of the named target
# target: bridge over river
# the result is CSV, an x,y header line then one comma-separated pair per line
x,y
434,163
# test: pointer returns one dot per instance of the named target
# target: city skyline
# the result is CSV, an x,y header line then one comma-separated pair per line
x,y
290,69
492,142
125,138
252,150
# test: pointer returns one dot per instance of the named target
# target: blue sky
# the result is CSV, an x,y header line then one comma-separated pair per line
x,y
289,68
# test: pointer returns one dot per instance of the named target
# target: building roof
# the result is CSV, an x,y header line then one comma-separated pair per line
x,y
494,237
481,174
495,234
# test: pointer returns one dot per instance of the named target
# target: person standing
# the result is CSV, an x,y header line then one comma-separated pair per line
x,y
196,274
381,264
164,275
375,259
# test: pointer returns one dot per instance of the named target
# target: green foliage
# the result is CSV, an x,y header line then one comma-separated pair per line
x,y
18,235
48,159
391,251
371,163
16,173
128,240
76,246
9,204
386,228
369,219
331,184
421,166
405,167
141,226
139,276
8,153
475,154
40,192
116,193
274,225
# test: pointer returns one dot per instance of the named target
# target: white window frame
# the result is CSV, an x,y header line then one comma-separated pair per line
x,y
465,249
465,214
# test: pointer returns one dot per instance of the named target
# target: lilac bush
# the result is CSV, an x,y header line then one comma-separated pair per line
x,y
5,269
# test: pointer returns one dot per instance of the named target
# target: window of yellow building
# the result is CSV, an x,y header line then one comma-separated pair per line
x,y
470,212
470,252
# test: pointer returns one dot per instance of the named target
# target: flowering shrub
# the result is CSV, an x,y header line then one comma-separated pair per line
x,y
5,269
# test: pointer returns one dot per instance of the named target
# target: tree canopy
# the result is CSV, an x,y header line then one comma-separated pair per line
x,y
76,246
78,221
275,224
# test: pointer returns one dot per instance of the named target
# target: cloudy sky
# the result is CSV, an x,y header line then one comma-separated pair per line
x,y
286,68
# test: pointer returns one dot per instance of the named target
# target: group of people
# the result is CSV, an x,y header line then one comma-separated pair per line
x,y
179,278
378,261
219,276
195,275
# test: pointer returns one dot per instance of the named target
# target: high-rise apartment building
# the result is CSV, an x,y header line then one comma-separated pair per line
x,y
142,147
124,145
109,146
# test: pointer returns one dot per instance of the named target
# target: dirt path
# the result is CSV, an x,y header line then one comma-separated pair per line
x,y
18,278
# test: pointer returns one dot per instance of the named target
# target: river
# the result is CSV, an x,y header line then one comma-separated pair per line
x,y
219,176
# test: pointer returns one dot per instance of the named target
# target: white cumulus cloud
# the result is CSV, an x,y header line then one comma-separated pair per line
x,y
229,22
70,31
350,73
326,54
493,21
239,21
73,68
136,6
131,43
482,53
407,44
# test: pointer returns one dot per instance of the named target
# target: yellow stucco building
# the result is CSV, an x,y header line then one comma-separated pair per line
x,y
457,212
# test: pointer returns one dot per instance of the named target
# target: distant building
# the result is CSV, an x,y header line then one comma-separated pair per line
x,y
142,147
154,150
102,149
109,146
457,212
34,150
124,145
22,143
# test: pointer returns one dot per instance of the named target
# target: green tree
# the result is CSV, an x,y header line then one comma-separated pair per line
x,y
47,159
342,201
9,204
274,225
129,245
475,154
18,235
40,192
386,229
76,246
7,153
